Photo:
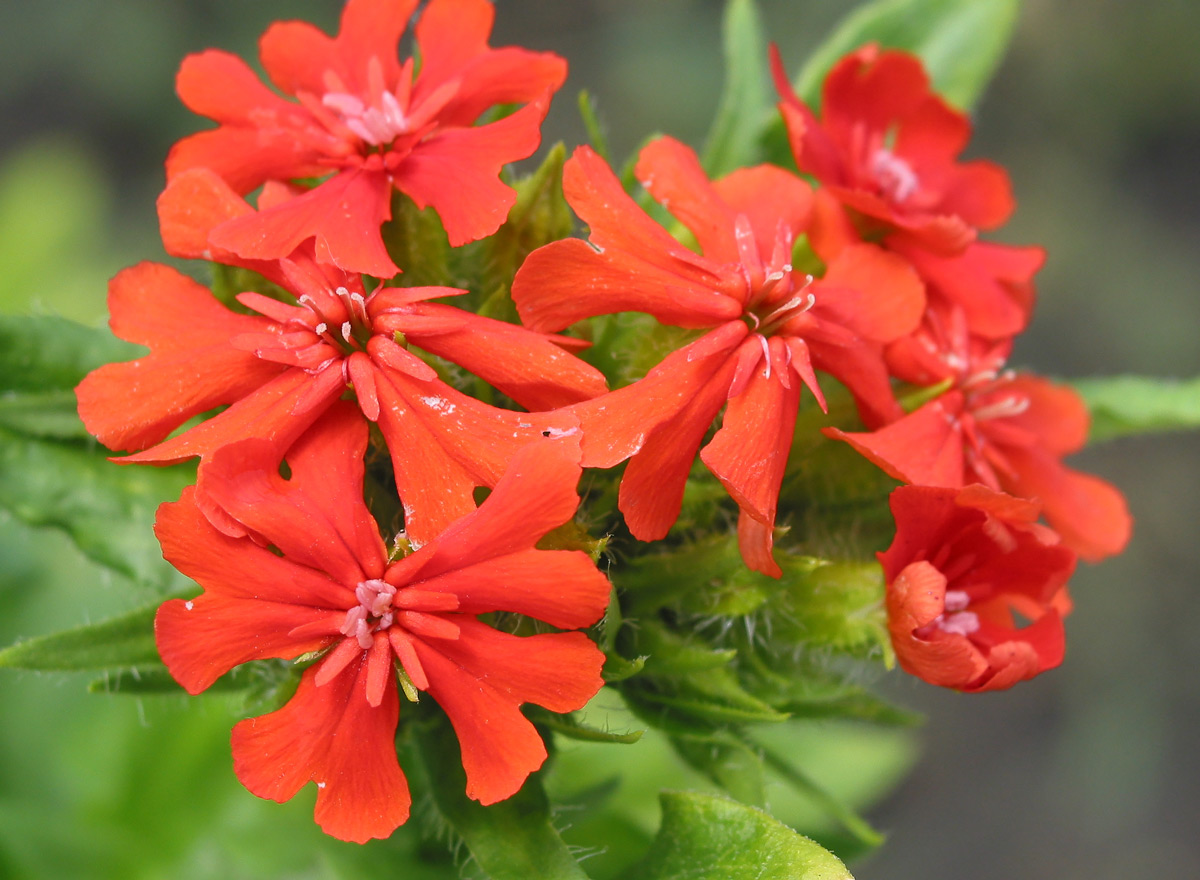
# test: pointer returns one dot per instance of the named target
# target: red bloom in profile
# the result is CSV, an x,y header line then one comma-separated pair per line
x,y
886,147
1007,431
991,283
770,329
371,123
963,561
280,369
329,588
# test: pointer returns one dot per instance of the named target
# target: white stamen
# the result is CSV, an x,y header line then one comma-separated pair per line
x,y
1013,405
766,356
963,623
189,604
321,328
894,176
346,331
957,600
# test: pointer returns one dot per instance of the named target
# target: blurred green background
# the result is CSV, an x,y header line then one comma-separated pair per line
x,y
1092,771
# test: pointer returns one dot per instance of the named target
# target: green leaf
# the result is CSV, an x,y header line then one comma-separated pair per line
x,y
124,641
48,414
706,837
732,141
960,41
511,840
106,509
1125,405
569,726
728,762
417,243
43,354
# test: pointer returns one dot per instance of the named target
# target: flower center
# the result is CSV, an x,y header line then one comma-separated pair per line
x,y
372,613
376,125
894,176
343,322
776,292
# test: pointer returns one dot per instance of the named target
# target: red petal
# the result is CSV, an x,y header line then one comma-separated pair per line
x,y
296,56
193,203
1056,415
480,680
317,518
443,444
672,174
203,638
872,88
266,413
1089,514
371,29
222,87
875,294
981,193
457,172
617,224
814,151
914,599
246,157
535,495
933,135
526,366
770,197
750,451
561,587
329,735
925,447
616,425
238,568
651,492
342,216
567,281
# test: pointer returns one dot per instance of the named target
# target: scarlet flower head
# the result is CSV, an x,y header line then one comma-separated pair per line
x,y
962,562
885,146
770,329
279,369
1008,431
330,589
368,124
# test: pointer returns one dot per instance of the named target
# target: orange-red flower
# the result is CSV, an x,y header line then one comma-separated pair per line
x,y
279,369
770,329
886,146
369,122
963,561
1008,431
329,588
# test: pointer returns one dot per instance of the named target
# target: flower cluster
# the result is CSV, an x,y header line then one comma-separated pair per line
x,y
335,384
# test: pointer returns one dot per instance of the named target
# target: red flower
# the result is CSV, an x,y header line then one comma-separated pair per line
x,y
280,369
771,328
992,284
371,123
1007,431
885,147
330,588
962,562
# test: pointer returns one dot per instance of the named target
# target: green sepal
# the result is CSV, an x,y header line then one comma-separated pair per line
x,y
569,726
732,140
120,642
592,125
417,243
1125,405
539,216
708,837
108,511
831,604
511,840
617,668
229,281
